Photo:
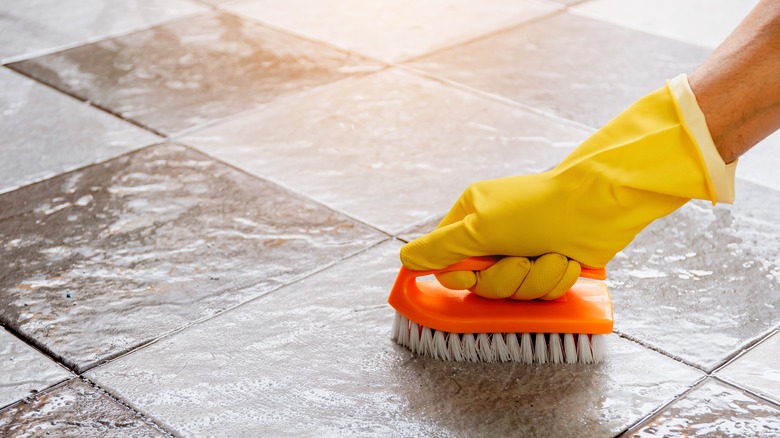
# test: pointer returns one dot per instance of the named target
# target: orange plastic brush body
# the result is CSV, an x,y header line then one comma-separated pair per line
x,y
585,308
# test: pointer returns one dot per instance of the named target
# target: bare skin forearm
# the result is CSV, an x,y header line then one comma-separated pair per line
x,y
738,85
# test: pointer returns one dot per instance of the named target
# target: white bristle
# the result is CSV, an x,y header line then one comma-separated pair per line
x,y
470,348
483,348
556,348
514,347
456,350
526,348
500,349
426,342
583,349
439,347
540,348
414,336
397,326
598,343
569,348
403,337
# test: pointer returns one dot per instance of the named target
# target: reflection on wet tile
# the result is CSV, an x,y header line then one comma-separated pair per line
x,y
45,133
391,149
45,25
760,163
715,409
758,370
703,281
320,350
699,22
24,370
190,71
392,30
103,259
74,409
579,68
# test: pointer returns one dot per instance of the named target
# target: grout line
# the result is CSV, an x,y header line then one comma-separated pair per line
x,y
288,189
408,229
647,418
95,39
83,167
40,348
125,404
304,93
743,348
52,388
646,30
497,98
89,102
299,35
709,375
560,9
748,346
658,350
222,312
736,385
29,398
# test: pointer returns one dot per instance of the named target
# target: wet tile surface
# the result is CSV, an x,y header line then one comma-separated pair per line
x,y
320,349
392,30
191,71
25,371
760,163
686,23
32,27
419,230
101,260
391,149
703,281
715,409
45,133
578,68
75,409
757,370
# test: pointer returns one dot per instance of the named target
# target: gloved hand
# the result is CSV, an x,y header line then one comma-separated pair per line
x,y
644,164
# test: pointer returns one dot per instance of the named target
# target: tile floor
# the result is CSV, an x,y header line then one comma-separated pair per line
x,y
202,203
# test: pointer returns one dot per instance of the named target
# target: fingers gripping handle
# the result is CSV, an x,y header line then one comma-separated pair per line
x,y
483,263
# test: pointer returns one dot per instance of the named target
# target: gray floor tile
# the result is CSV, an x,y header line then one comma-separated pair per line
x,y
760,163
715,410
699,22
579,68
703,281
320,350
25,371
45,132
391,148
39,26
418,230
103,259
191,71
392,30
74,409
758,370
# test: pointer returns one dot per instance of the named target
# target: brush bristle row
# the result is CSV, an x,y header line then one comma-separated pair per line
x,y
525,348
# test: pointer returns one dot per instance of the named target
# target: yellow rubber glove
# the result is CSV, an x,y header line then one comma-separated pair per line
x,y
644,164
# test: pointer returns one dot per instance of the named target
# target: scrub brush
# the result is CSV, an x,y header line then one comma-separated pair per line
x,y
456,325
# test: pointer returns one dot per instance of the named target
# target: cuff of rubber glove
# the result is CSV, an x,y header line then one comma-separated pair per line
x,y
720,176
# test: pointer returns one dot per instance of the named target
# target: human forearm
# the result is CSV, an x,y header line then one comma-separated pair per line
x,y
738,86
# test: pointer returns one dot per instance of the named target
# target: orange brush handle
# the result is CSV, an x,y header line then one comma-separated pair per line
x,y
586,307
